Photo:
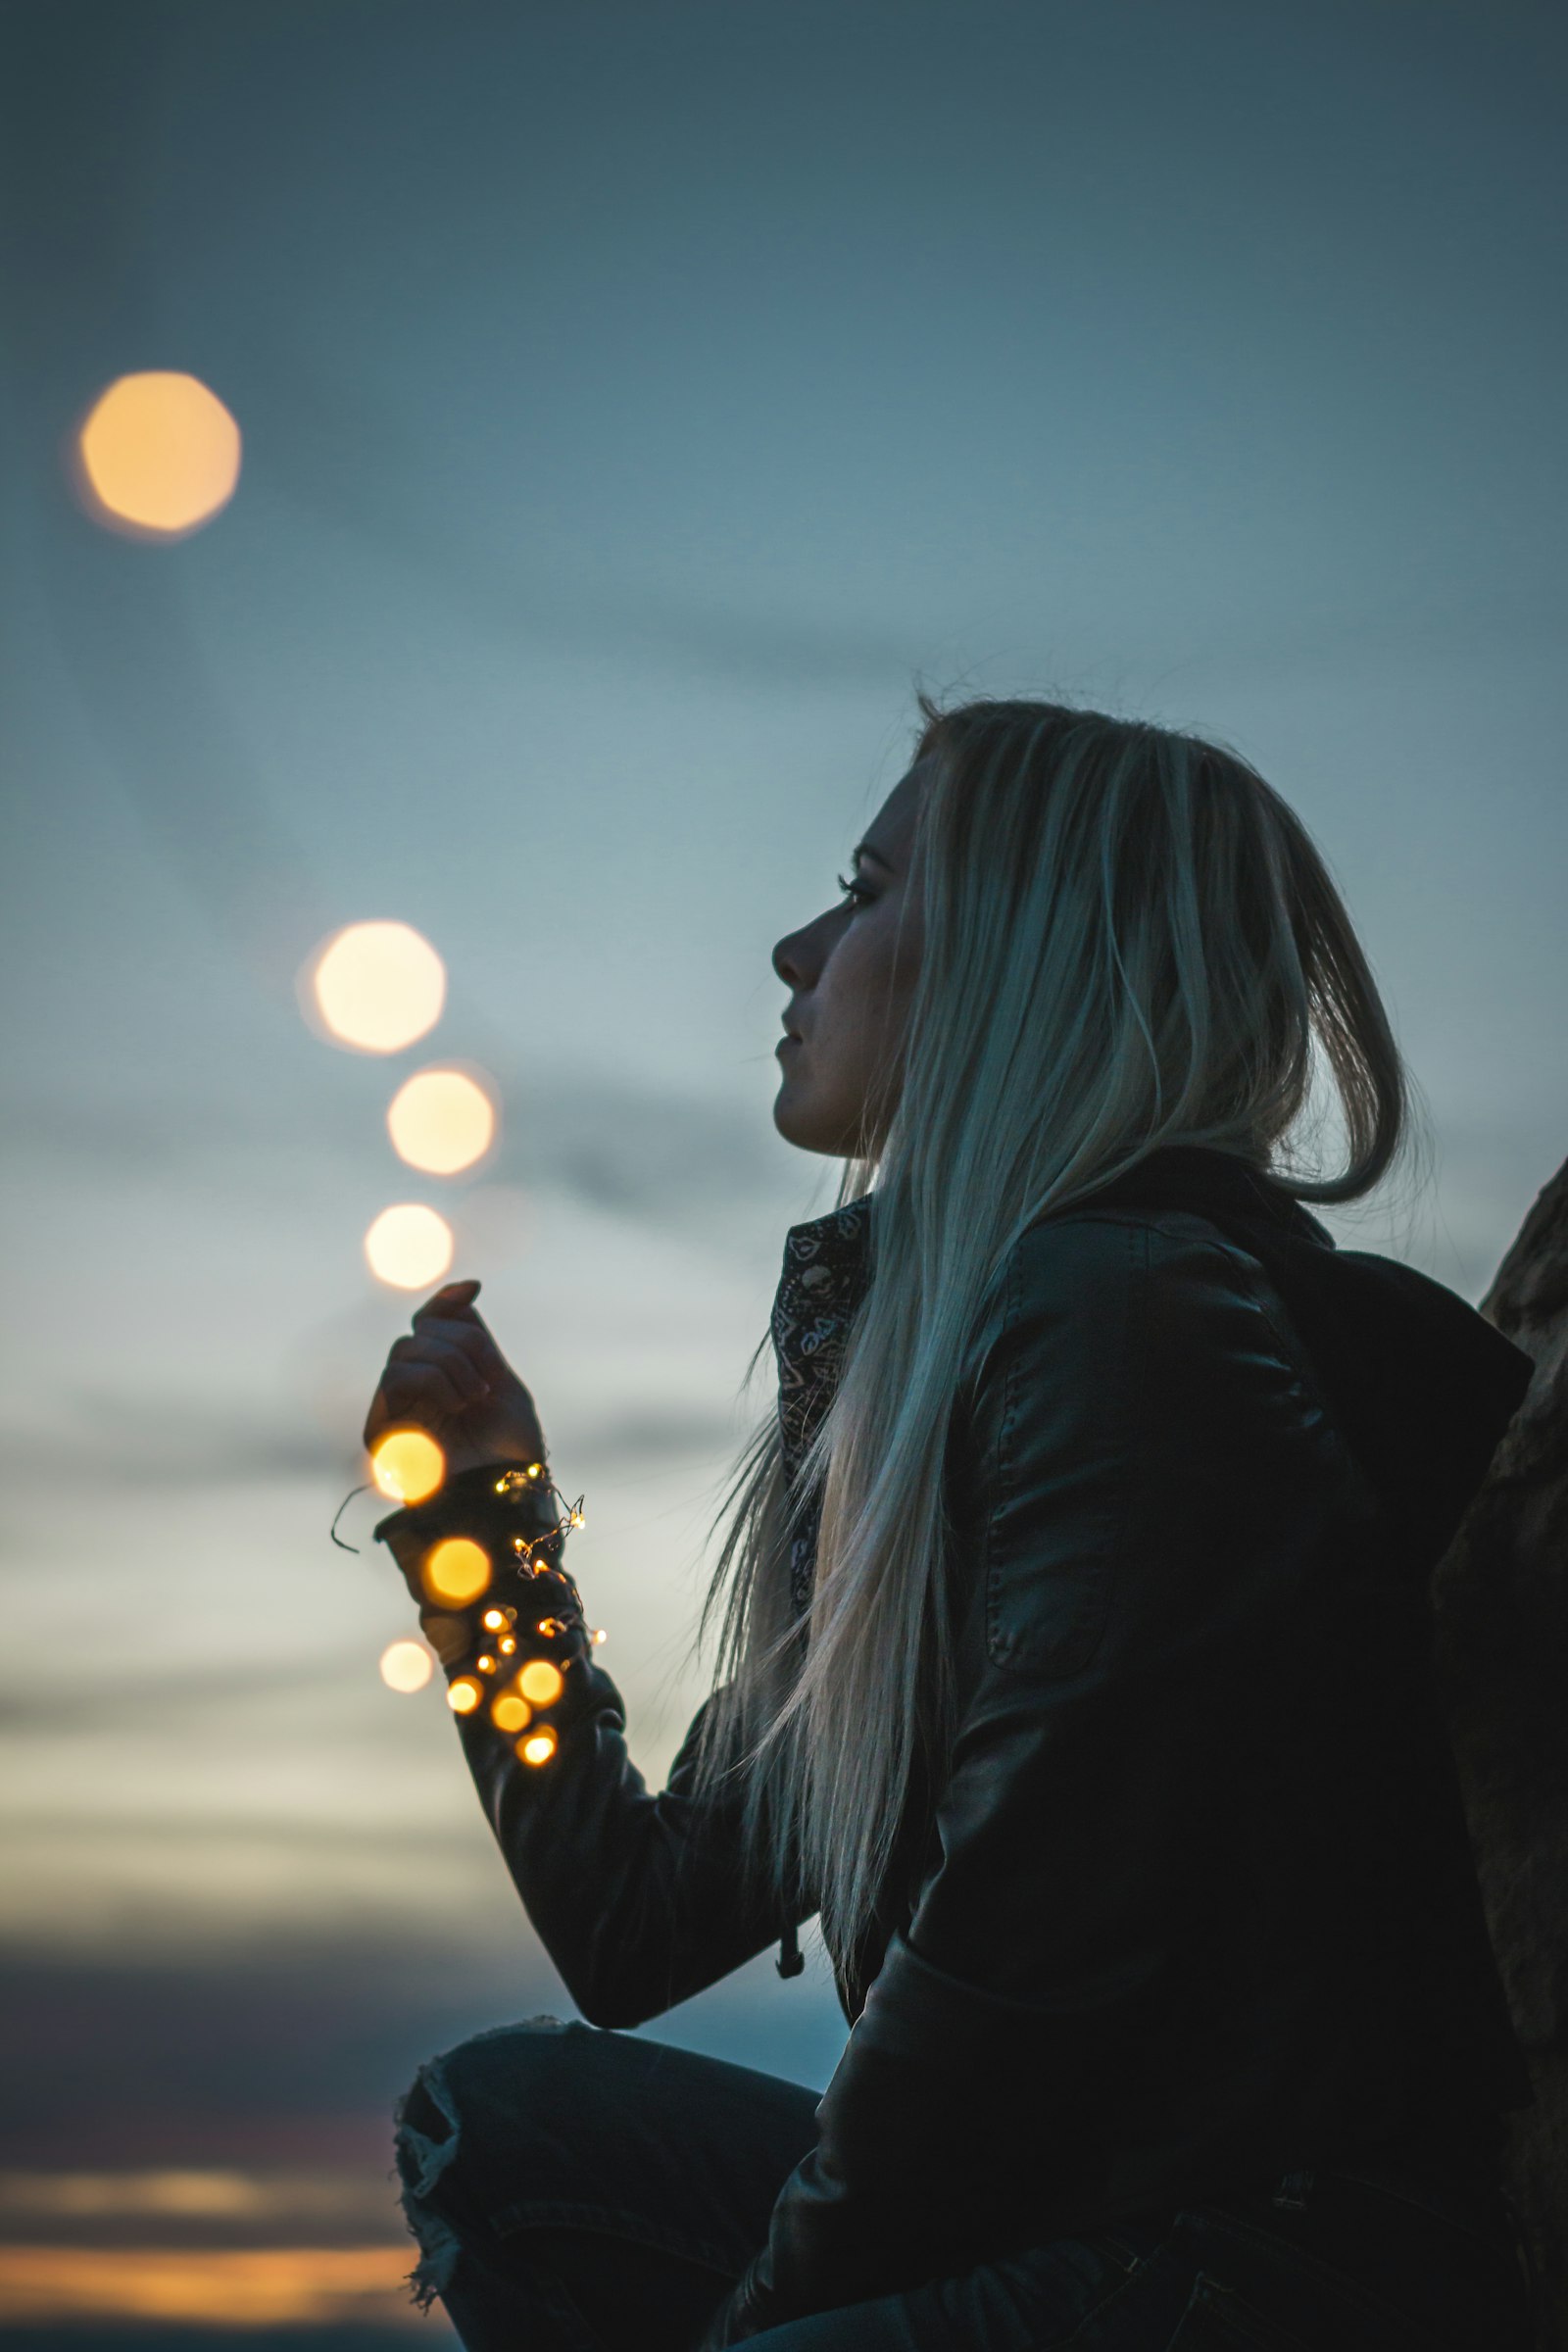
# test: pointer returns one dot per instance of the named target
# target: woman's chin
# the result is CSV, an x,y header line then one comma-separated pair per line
x,y
808,1131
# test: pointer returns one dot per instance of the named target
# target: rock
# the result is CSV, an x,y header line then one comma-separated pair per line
x,y
1501,1661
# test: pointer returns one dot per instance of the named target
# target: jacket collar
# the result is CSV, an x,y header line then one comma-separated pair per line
x,y
827,1266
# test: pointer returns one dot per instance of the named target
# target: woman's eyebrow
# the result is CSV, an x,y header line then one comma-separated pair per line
x,y
863,849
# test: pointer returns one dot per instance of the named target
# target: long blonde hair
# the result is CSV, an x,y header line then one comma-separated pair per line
x,y
1130,942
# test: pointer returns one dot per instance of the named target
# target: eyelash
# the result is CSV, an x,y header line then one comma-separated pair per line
x,y
856,892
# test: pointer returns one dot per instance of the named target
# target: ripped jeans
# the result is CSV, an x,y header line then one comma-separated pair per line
x,y
580,2189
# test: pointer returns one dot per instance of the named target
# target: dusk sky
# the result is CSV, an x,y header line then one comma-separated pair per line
x,y
638,403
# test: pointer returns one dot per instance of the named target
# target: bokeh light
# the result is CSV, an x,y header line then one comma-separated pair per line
x,y
455,1571
441,1120
409,1245
510,1712
378,985
464,1694
408,1465
537,1747
540,1681
405,1666
159,455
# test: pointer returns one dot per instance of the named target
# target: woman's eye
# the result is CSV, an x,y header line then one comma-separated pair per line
x,y
856,892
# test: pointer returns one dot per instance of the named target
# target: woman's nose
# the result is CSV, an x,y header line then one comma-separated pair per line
x,y
788,962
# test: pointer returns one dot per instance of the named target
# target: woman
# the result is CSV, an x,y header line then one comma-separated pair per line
x,y
1072,1664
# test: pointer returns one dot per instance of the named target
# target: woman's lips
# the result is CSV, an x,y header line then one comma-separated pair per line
x,y
785,1041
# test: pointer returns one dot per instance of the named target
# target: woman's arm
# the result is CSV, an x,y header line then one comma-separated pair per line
x,y
637,1897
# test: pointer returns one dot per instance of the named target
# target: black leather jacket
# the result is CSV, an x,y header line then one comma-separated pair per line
x,y
1191,1899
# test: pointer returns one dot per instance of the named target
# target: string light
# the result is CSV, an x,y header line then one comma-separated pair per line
x,y
405,1666
541,1682
454,1573
408,1465
158,455
457,1570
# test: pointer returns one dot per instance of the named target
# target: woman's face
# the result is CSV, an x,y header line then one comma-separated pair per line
x,y
853,971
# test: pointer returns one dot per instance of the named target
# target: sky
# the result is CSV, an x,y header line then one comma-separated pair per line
x,y
637,406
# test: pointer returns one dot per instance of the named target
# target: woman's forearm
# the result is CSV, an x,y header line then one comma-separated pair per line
x,y
638,1897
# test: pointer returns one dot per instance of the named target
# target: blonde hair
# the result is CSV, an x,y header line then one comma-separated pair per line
x,y
1130,942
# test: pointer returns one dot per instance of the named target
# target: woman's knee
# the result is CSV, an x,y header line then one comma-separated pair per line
x,y
460,2095
464,2110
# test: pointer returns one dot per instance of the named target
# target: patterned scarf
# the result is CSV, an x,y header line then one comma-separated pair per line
x,y
827,1266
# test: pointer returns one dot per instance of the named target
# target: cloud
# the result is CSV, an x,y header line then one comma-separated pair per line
x,y
176,1440
666,1155
291,2055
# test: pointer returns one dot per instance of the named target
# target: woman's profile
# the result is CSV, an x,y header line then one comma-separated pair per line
x,y
1072,1661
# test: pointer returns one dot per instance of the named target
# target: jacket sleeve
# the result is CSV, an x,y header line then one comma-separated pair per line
x,y
637,1896
962,2115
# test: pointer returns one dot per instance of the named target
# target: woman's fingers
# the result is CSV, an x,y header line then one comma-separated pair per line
x,y
446,1368
466,1377
414,1392
470,1340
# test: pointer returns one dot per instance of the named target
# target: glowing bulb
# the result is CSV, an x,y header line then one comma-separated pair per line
x,y
507,1644
537,1747
457,1570
510,1712
540,1681
408,1246
463,1695
378,985
598,1635
492,1621
159,455
486,1664
405,1666
408,1465
442,1120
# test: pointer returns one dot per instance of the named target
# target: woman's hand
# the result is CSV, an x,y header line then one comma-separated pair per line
x,y
451,1379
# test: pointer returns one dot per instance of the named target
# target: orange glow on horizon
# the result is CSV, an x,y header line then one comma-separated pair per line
x,y
158,455
409,1245
273,2286
455,1570
441,1120
408,1465
377,986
